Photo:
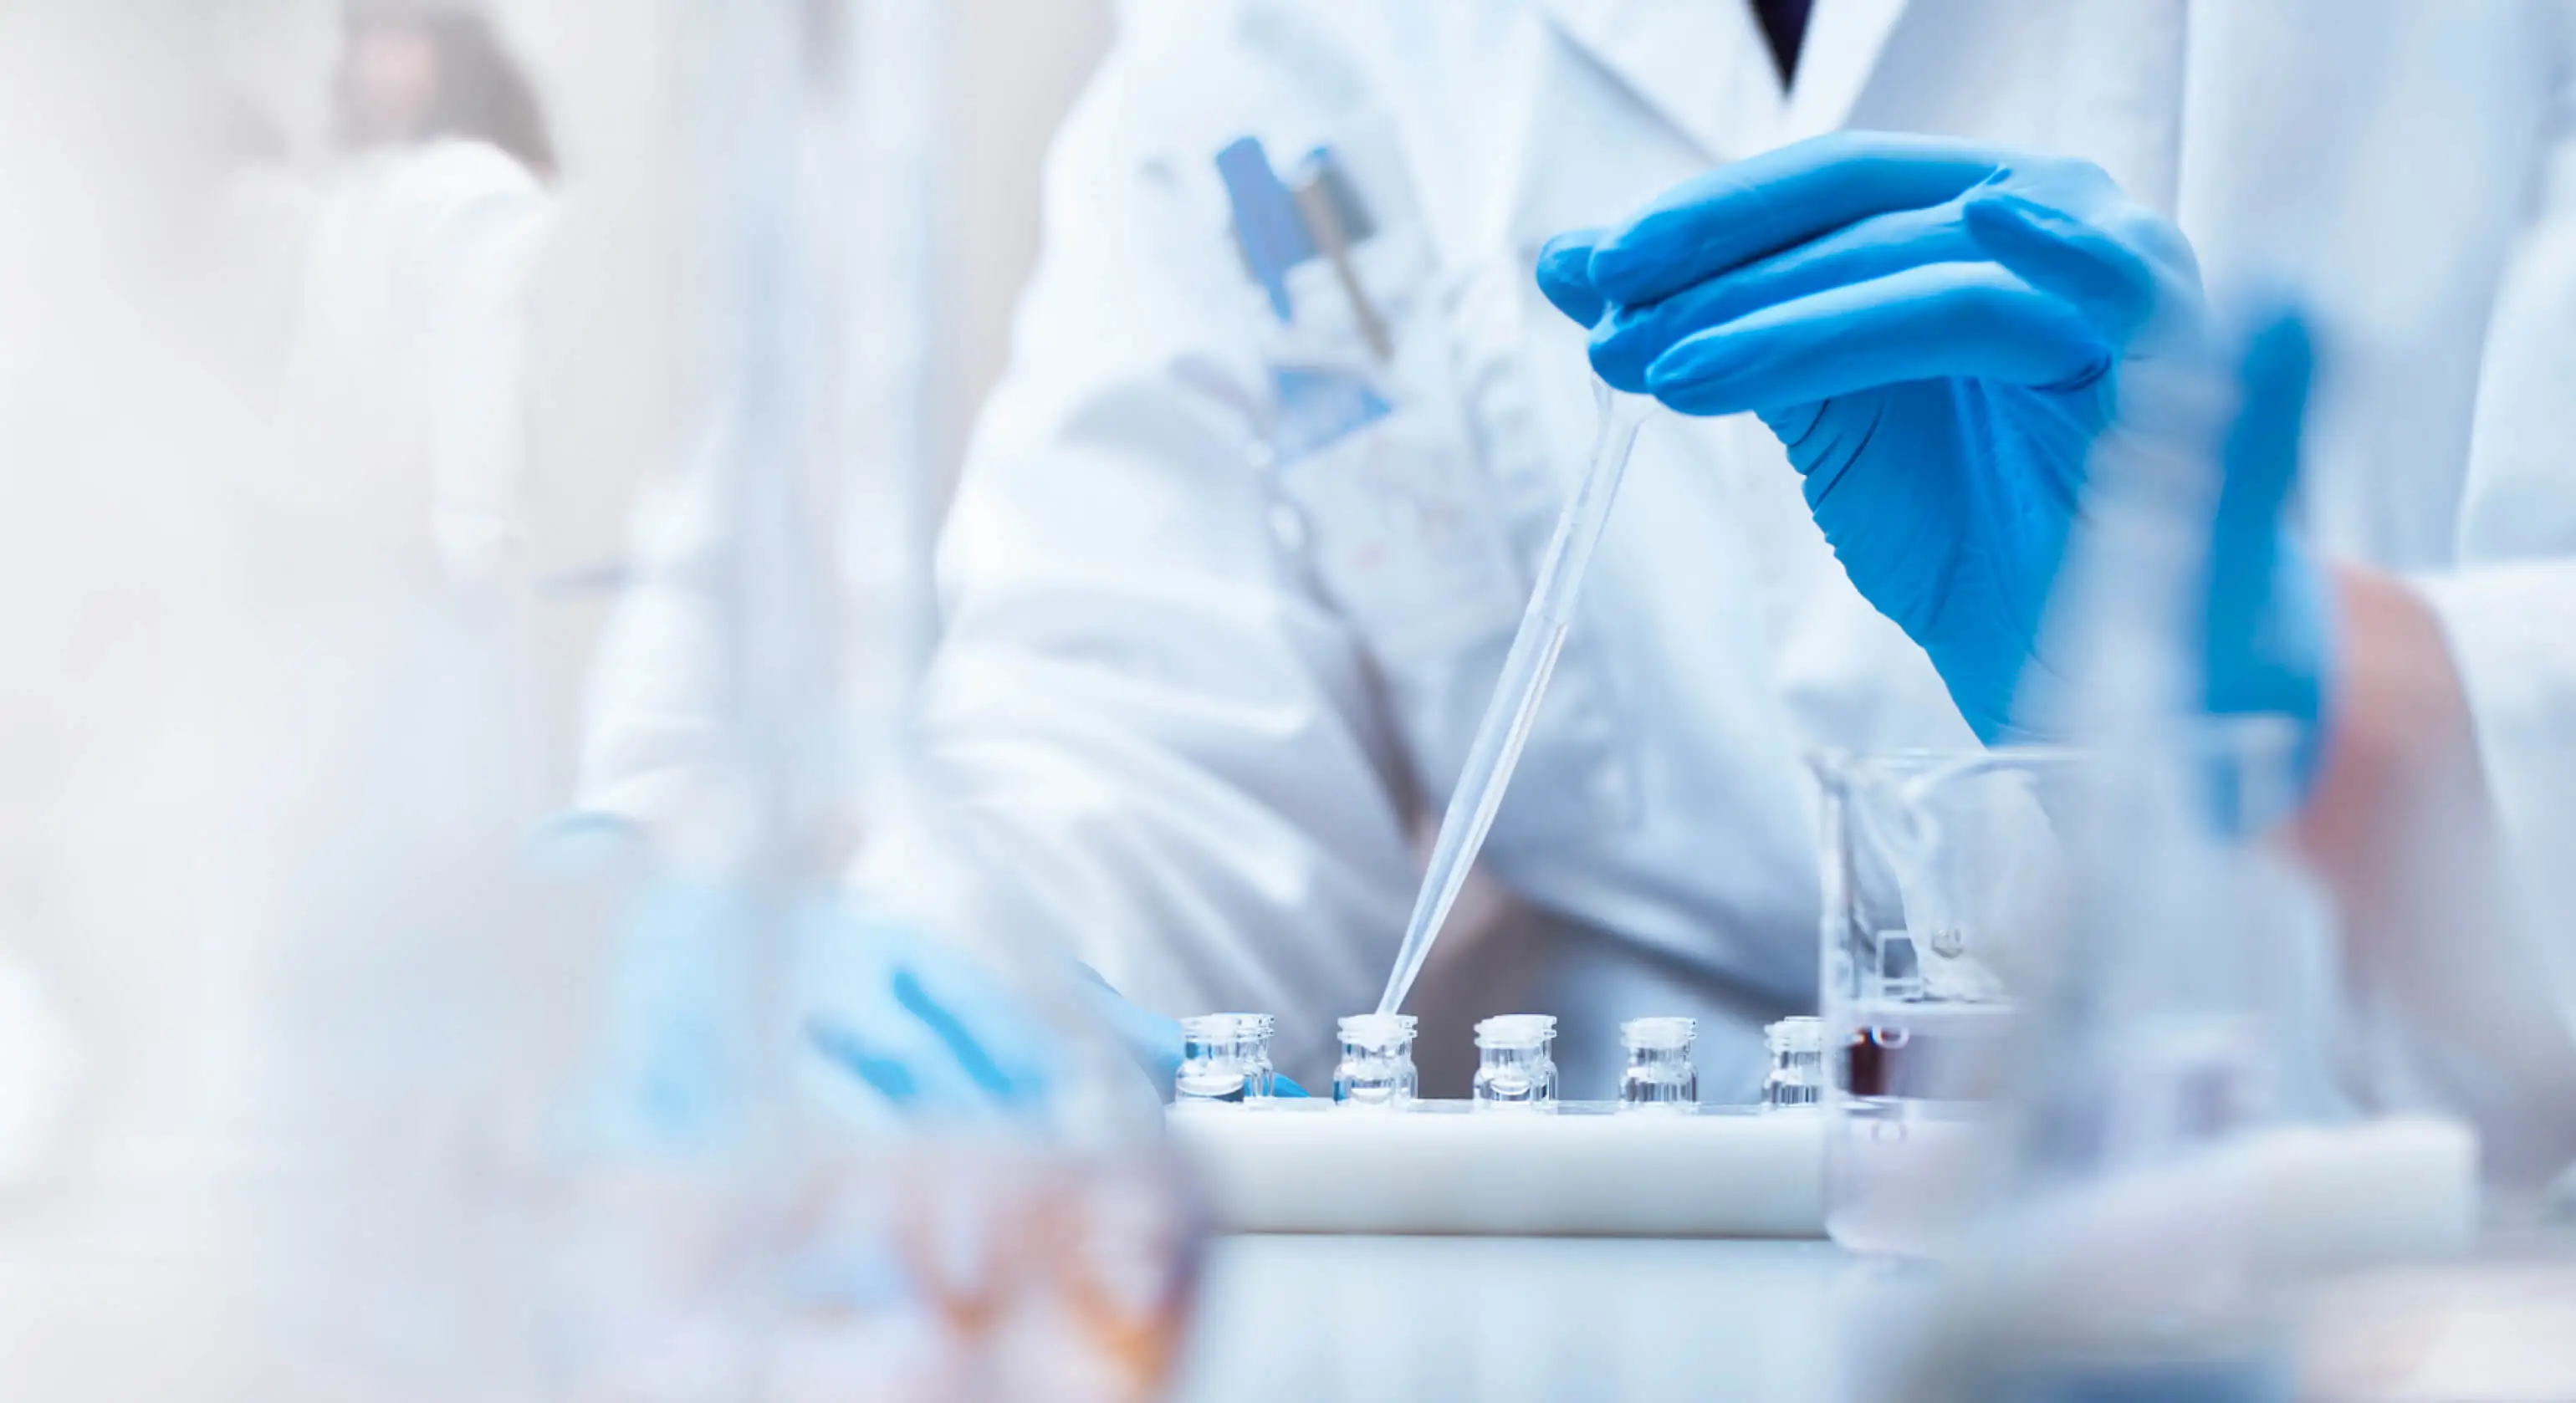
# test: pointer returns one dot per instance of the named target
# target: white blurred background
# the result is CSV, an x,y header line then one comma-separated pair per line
x,y
335,359
601,70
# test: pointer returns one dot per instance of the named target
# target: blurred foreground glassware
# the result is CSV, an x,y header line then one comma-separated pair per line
x,y
2101,1133
736,1215
362,1098
2000,922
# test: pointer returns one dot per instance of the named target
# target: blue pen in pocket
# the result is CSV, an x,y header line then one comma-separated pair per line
x,y
1277,228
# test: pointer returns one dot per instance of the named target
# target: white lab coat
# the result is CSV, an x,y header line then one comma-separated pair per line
x,y
406,375
1202,698
253,825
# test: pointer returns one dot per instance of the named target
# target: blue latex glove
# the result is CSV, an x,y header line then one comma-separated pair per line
x,y
1936,331
2268,617
925,1027
981,1045
931,1032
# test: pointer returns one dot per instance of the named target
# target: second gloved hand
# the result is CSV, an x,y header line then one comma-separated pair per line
x,y
927,1029
1152,1039
1936,331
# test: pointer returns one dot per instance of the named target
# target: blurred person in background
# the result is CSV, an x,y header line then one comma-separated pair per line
x,y
418,71
1212,656
260,746
406,369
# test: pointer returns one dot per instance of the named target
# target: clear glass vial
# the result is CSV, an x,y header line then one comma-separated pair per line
x,y
1377,1061
1797,1075
1513,1068
1252,1049
1225,1057
1660,1074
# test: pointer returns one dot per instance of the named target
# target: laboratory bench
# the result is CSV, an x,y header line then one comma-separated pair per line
x,y
1324,1318
1332,1317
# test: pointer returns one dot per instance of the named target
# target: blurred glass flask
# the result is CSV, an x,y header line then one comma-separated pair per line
x,y
802,1237
367,1104
1514,1068
1660,1074
1376,1070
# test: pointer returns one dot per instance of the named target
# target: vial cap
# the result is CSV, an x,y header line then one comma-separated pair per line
x,y
1800,1034
1212,1027
1658,1034
1378,1029
1516,1030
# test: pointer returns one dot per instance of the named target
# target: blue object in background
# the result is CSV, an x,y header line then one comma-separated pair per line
x,y
2268,616
1318,407
1274,239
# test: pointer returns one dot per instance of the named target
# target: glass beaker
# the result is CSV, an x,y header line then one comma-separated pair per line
x,y
2001,925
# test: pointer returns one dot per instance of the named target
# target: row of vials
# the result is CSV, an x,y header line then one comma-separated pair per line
x,y
1226,1058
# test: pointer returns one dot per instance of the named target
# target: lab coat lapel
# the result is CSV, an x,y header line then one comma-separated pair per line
x,y
1702,65
1844,41
1699,64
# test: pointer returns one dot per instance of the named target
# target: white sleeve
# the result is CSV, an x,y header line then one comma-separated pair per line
x,y
652,743
2509,607
478,445
1140,704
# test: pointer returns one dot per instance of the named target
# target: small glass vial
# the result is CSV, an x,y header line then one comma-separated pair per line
x,y
1376,1069
1797,1075
1224,1057
1252,1048
1514,1070
1660,1074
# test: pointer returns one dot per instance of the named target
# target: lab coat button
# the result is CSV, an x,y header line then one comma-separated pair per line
x,y
1288,527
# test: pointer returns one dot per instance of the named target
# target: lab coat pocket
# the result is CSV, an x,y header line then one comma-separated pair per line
x,y
1380,464
1370,449
1402,534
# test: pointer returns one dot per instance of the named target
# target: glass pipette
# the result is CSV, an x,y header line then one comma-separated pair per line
x,y
1526,669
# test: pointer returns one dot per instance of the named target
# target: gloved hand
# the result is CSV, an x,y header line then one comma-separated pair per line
x,y
684,1032
926,1028
1936,331
2268,617
923,1025
1152,1039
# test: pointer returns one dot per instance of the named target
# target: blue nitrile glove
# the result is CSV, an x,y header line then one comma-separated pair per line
x,y
687,1031
1936,331
920,1023
923,1025
2269,616
974,1026
908,986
